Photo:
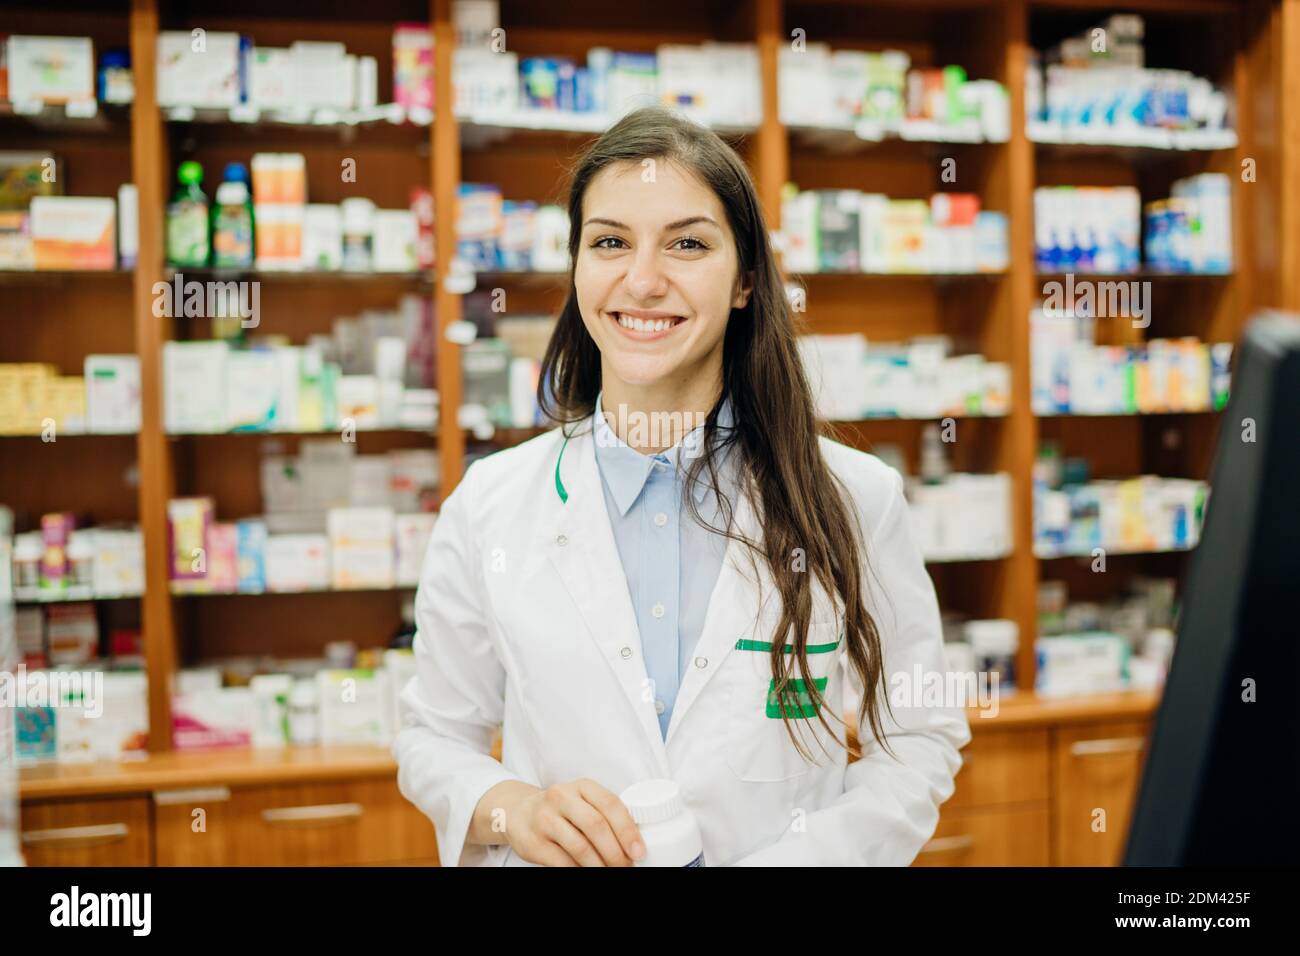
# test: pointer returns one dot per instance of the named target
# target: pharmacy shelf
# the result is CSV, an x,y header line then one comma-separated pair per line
x,y
1137,138
206,273
1164,412
967,558
394,589
907,276
1044,555
388,125
58,276
110,119
430,432
68,597
862,135
60,435
1139,274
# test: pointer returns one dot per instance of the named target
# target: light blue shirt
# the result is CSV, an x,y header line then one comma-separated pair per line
x,y
671,562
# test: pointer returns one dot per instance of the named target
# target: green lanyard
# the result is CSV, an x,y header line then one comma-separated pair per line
x,y
559,485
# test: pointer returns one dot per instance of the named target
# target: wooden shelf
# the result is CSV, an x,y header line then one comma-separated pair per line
x,y
60,316
203,768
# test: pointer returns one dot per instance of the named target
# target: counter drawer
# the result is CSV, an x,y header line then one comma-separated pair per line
x,y
98,832
1004,836
329,823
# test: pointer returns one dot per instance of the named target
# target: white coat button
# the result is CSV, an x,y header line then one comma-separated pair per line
x,y
657,610
701,662
659,707
626,652
661,519
562,540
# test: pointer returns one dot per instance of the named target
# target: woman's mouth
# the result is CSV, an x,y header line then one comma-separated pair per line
x,y
646,326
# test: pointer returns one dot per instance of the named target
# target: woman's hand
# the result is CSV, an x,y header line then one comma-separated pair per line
x,y
579,823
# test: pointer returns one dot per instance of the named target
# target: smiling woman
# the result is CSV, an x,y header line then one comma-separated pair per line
x,y
693,602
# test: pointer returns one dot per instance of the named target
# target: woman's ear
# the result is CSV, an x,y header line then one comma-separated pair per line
x,y
741,298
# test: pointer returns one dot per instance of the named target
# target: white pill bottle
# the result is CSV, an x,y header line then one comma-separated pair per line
x,y
668,827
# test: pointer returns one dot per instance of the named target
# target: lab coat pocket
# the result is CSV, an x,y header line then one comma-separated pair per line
x,y
759,748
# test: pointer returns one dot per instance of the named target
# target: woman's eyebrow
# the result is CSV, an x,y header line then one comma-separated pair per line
x,y
679,224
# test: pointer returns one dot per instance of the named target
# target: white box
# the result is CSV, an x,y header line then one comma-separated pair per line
x,y
412,533
352,706
322,238
322,76
394,239
297,562
288,369
361,547
44,69
112,394
194,386
357,398
270,78
252,387
202,78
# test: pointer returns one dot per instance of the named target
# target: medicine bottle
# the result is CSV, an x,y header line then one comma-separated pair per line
x,y
668,828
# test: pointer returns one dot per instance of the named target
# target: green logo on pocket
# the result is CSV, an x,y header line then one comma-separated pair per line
x,y
798,701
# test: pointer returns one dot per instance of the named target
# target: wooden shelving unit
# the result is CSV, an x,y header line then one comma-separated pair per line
x,y
1253,48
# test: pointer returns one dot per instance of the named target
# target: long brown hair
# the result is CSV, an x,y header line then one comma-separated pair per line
x,y
799,506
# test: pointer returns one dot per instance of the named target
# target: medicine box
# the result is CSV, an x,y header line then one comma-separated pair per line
x,y
74,232
297,562
361,547
200,69
112,393
48,69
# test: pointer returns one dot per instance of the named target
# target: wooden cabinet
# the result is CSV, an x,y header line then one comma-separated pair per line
x,y
332,823
94,832
323,806
990,836
1046,783
999,815
1095,771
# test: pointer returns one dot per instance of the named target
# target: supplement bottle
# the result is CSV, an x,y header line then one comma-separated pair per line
x,y
668,828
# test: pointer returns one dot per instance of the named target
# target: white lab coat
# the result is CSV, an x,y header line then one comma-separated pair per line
x,y
524,621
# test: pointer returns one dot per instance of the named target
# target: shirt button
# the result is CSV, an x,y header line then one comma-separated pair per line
x,y
661,519
659,707
701,662
562,540
657,610
626,652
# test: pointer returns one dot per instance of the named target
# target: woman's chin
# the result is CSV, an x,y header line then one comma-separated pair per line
x,y
642,372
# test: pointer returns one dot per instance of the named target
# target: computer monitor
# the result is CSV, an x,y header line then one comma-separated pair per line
x,y
1222,777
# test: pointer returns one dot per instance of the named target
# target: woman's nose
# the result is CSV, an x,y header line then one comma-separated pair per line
x,y
644,279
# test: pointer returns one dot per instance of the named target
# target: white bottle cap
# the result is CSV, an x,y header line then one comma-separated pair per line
x,y
653,801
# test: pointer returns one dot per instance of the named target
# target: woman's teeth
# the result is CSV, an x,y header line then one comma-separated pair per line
x,y
645,325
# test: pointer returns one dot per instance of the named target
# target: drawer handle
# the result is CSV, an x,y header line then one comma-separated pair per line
x,y
949,844
171,798
77,836
321,813
1109,745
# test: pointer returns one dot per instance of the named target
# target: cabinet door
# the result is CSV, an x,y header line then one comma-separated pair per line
x,y
1002,767
994,836
1096,769
102,832
326,823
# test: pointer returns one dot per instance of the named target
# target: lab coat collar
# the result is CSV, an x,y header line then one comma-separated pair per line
x,y
626,470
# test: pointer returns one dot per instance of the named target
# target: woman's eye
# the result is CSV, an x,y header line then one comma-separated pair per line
x,y
599,243
696,244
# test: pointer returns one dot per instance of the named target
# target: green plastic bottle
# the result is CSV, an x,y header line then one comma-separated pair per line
x,y
188,245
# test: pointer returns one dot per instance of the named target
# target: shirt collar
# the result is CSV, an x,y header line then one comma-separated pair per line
x,y
626,470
